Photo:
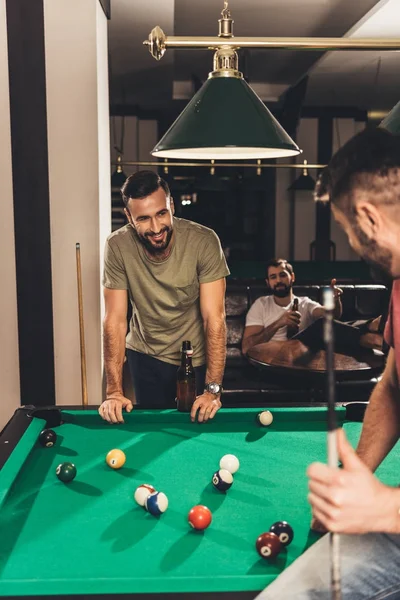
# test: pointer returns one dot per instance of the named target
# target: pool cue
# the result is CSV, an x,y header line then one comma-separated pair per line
x,y
81,326
329,305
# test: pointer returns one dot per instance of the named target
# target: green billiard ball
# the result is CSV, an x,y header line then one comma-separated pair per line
x,y
66,472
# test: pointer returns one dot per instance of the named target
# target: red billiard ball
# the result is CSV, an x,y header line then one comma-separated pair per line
x,y
200,517
268,545
284,532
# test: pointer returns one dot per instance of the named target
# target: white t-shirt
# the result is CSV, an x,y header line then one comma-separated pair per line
x,y
266,311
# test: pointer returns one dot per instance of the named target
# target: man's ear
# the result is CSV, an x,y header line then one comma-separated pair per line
x,y
128,216
293,277
267,282
368,218
172,205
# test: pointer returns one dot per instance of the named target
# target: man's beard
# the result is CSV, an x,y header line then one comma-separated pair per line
x,y
155,250
376,256
282,290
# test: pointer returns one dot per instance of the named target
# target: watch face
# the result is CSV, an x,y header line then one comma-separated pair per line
x,y
214,388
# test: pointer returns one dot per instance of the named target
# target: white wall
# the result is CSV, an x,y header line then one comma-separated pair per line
x,y
9,361
79,172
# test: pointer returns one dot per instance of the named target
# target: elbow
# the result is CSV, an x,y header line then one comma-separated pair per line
x,y
216,321
112,323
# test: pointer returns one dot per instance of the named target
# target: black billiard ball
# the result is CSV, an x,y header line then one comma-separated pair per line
x,y
66,472
284,532
268,545
47,438
222,480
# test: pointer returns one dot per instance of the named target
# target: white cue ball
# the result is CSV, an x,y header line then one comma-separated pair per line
x,y
229,462
265,418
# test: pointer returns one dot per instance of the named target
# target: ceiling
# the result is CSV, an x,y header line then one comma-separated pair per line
x,y
365,80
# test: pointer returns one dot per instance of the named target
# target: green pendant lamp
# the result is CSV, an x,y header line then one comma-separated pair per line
x,y
226,119
392,121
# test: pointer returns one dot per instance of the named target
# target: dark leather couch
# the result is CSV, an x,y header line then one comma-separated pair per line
x,y
243,380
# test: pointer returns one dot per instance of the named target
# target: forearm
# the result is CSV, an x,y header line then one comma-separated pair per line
x,y
114,353
215,334
337,312
258,338
381,428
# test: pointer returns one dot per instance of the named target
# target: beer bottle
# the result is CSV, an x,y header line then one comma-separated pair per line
x,y
293,329
186,380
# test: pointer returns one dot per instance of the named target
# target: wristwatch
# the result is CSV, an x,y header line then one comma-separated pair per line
x,y
213,388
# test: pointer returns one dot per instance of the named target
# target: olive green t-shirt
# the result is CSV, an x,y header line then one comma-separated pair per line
x,y
165,294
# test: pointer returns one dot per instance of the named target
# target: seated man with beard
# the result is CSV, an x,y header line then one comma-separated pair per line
x,y
272,317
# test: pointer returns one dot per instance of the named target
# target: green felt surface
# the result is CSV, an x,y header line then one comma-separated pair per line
x,y
89,536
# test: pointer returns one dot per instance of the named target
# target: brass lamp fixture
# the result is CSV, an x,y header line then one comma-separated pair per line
x,y
225,119
304,183
118,178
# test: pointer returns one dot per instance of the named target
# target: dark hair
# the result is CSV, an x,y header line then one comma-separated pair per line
x,y
142,184
370,163
279,262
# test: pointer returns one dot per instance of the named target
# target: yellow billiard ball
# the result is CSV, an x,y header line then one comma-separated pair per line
x,y
115,459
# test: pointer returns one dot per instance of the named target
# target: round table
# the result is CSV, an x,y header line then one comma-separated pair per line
x,y
294,356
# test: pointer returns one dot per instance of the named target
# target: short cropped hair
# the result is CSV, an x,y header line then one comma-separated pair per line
x,y
279,262
370,163
142,184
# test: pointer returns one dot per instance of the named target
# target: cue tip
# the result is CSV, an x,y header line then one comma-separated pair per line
x,y
77,245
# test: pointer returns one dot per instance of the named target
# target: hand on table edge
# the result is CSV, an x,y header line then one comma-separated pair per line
x,y
205,406
111,409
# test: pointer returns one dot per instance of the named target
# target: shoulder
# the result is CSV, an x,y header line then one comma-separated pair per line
x,y
305,303
305,300
120,237
183,226
263,301
120,234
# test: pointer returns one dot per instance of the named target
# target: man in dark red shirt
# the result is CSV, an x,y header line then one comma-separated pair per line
x,y
363,184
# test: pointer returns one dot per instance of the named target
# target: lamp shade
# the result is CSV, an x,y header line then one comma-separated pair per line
x,y
304,183
226,120
392,121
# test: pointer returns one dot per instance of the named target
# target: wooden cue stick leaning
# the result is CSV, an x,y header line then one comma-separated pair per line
x,y
329,305
81,326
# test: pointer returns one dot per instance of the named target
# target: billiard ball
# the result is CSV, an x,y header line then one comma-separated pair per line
x,y
142,492
265,418
115,459
229,462
47,438
156,503
222,480
199,517
284,532
268,545
66,472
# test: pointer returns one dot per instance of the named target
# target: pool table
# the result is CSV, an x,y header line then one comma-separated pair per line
x,y
88,538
